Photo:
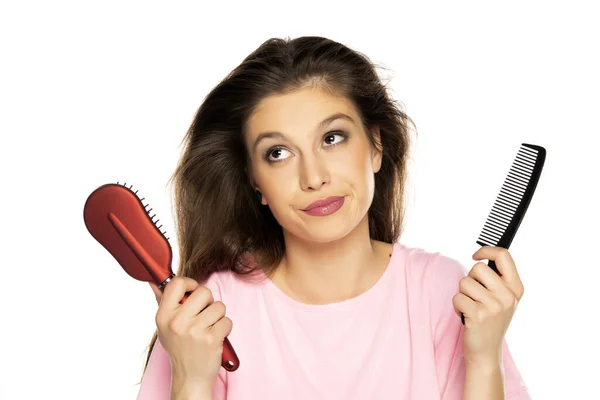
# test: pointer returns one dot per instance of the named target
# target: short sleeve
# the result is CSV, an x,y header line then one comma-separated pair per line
x,y
444,276
156,382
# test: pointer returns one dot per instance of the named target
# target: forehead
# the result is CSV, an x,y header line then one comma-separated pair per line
x,y
297,112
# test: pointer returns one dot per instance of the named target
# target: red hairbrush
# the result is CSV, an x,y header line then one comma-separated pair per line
x,y
119,221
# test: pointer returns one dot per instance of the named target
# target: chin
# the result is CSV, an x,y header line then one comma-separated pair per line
x,y
325,237
326,230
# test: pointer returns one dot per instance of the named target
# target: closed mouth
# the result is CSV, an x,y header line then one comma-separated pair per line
x,y
323,202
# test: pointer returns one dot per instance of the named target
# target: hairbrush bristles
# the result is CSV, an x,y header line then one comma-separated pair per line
x,y
130,187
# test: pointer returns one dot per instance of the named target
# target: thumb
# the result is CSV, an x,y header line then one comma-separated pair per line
x,y
156,290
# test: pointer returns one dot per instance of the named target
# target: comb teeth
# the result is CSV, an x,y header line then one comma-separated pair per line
x,y
511,195
130,187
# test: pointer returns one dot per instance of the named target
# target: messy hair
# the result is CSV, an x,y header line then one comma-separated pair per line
x,y
219,219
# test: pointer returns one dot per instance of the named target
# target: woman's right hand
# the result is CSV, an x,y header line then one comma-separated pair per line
x,y
192,333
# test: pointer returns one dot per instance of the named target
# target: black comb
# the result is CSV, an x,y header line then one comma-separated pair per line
x,y
513,200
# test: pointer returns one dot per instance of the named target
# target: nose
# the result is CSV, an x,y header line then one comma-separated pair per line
x,y
313,173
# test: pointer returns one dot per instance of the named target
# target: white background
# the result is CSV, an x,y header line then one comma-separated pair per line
x,y
92,93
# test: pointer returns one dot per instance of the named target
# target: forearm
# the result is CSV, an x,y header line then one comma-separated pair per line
x,y
484,382
183,389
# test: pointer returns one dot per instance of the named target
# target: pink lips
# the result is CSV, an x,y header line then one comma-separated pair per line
x,y
325,207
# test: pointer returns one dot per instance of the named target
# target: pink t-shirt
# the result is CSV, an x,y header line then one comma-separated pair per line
x,y
401,339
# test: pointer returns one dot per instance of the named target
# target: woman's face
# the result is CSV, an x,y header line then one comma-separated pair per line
x,y
296,161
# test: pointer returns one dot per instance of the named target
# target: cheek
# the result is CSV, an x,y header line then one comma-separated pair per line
x,y
355,166
357,171
280,188
277,182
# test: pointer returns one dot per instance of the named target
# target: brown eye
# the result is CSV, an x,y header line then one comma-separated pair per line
x,y
275,155
330,138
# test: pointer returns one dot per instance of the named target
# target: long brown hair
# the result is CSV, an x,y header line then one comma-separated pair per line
x,y
219,219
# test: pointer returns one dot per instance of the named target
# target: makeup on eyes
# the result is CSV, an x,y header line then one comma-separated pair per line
x,y
267,153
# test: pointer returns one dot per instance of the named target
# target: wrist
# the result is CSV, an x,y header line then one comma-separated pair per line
x,y
184,388
188,391
484,380
488,365
485,359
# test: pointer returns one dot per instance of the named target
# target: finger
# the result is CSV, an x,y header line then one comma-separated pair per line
x,y
222,328
175,290
505,264
497,289
196,302
463,304
501,256
156,291
212,314
473,289
486,276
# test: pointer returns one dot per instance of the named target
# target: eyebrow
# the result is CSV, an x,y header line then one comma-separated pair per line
x,y
319,126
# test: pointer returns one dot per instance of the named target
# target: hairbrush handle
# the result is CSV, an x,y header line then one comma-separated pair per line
x,y
230,360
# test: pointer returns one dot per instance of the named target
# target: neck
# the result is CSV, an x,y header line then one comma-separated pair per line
x,y
321,273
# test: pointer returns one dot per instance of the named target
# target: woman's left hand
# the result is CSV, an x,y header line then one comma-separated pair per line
x,y
488,302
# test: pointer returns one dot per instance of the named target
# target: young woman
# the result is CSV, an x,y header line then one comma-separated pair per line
x,y
289,200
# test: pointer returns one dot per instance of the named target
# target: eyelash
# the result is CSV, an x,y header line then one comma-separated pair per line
x,y
331,133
